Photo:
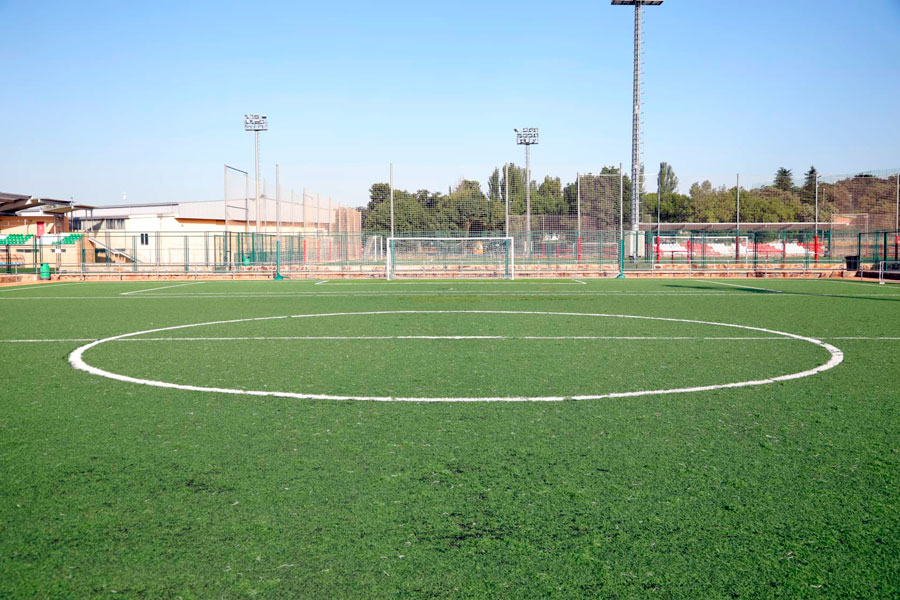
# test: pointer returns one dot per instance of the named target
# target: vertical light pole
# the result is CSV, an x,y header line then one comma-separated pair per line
x,y
526,137
636,113
256,123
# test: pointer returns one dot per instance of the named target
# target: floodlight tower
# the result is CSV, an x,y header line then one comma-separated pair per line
x,y
636,115
526,137
256,123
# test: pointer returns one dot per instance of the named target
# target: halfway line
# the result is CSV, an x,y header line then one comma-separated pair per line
x,y
441,337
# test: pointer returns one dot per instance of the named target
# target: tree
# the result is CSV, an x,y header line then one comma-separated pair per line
x,y
668,183
676,208
714,205
784,179
494,190
471,207
549,198
810,179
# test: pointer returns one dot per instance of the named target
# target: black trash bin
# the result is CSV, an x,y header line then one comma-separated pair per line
x,y
852,263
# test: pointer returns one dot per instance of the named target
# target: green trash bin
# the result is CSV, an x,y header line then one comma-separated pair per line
x,y
246,261
45,272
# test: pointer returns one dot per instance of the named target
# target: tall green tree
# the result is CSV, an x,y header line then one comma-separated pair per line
x,y
808,193
668,182
494,190
809,179
784,179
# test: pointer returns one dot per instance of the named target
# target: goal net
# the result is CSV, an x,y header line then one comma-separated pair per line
x,y
450,257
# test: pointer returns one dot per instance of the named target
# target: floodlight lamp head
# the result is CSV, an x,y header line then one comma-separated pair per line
x,y
527,136
255,122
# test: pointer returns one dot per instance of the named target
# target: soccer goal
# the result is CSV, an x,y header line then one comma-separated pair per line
x,y
418,257
888,269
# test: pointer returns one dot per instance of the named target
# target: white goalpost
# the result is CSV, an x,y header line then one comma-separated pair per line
x,y
887,266
416,257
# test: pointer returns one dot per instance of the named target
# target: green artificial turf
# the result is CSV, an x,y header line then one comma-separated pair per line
x,y
117,489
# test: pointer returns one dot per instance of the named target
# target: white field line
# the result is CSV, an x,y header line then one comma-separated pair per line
x,y
321,282
862,338
461,293
836,356
441,337
47,340
580,281
734,285
448,337
165,287
13,288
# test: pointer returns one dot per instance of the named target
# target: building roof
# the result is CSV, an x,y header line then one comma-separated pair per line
x,y
20,204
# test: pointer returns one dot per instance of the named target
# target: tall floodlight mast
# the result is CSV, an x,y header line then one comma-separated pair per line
x,y
526,137
256,123
636,115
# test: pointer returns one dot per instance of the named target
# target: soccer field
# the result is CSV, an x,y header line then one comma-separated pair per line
x,y
680,438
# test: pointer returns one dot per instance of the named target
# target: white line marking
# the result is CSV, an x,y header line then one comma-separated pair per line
x,y
435,337
77,362
746,287
13,288
165,287
321,282
580,281
879,339
447,337
48,340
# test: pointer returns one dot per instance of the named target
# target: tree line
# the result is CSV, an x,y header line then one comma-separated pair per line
x,y
467,209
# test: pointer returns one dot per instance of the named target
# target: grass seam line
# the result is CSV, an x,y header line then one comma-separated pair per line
x,y
165,287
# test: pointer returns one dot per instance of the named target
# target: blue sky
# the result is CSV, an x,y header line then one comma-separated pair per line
x,y
106,98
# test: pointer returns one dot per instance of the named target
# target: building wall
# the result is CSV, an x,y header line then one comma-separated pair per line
x,y
29,225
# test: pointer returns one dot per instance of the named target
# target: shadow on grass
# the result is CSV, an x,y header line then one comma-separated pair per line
x,y
750,290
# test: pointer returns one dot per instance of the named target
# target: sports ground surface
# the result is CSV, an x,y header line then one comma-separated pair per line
x,y
554,439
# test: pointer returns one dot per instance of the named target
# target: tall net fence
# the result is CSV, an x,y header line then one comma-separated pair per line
x,y
568,220
867,201
283,209
557,226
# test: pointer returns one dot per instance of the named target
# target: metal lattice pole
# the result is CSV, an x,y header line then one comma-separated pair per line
x,y
636,113
526,137
256,123
636,125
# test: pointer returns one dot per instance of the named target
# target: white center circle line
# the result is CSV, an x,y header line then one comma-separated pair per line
x,y
835,358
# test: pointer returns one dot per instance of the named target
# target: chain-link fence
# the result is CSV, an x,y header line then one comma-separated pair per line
x,y
553,252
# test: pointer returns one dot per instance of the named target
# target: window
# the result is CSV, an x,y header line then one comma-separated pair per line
x,y
145,239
